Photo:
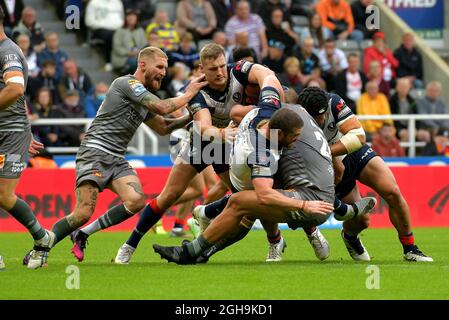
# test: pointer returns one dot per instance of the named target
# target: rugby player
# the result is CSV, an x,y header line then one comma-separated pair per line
x,y
347,138
100,162
16,140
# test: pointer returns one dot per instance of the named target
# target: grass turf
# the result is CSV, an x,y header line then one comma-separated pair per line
x,y
239,272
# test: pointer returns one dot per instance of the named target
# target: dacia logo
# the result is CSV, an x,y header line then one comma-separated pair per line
x,y
440,200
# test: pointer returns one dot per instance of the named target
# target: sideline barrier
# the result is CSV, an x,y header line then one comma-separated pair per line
x,y
50,193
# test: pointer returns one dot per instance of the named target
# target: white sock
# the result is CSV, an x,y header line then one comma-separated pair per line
x,y
92,228
203,213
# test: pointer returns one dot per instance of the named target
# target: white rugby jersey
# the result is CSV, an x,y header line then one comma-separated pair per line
x,y
252,155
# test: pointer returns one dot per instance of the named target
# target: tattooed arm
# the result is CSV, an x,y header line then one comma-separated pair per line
x,y
163,107
164,126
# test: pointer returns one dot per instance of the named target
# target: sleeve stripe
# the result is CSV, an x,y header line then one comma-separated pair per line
x,y
17,79
10,74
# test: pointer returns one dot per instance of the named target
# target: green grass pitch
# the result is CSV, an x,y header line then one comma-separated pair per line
x,y
239,272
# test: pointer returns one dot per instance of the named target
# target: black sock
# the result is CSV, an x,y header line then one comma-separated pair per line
x,y
241,233
149,217
349,238
213,209
22,213
197,246
62,229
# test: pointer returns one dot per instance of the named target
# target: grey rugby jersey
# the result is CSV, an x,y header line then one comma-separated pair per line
x,y
308,162
119,116
13,63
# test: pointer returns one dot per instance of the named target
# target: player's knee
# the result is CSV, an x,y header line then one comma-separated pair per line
x,y
236,205
135,203
392,194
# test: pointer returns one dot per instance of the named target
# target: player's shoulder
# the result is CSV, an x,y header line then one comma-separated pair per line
x,y
126,83
9,50
335,101
338,106
241,66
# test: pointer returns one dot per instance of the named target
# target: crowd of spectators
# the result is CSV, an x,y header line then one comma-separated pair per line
x,y
373,79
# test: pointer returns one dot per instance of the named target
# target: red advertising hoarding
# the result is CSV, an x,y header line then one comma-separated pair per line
x,y
50,193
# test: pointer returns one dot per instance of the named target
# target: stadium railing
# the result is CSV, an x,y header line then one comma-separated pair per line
x,y
144,132
141,135
411,118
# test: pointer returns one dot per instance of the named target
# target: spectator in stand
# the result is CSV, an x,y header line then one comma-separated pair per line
x,y
23,41
54,53
372,102
401,102
92,102
28,25
103,18
304,8
252,24
380,52
385,143
280,30
438,146
308,60
46,78
44,108
219,37
241,42
168,36
432,104
351,82
361,16
187,52
316,31
13,12
337,16
410,61
267,7
276,57
292,77
144,8
332,61
375,73
197,17
74,78
223,11
127,43
71,107
179,74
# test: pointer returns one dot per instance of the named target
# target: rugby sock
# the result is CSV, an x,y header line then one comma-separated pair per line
x,y
22,213
115,215
215,208
341,209
150,216
408,242
275,239
62,229
243,229
309,231
350,238
197,246
179,224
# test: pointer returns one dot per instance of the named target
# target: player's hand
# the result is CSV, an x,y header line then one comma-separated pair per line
x,y
317,207
229,134
196,85
35,146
